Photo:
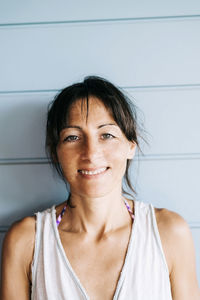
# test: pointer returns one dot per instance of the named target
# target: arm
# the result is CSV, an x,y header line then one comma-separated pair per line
x,y
183,274
17,256
180,253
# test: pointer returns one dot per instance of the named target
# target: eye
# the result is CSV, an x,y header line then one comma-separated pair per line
x,y
107,136
71,138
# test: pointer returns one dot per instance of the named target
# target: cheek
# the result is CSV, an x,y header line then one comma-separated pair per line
x,y
67,162
118,158
70,173
65,156
119,152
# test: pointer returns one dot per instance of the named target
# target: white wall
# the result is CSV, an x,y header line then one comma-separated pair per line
x,y
150,48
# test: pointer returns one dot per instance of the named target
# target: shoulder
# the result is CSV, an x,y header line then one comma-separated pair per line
x,y
172,224
175,236
179,250
171,221
17,255
19,242
20,231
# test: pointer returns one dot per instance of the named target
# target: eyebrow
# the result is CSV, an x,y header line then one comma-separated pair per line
x,y
100,126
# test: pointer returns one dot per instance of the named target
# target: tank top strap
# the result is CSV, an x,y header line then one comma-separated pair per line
x,y
38,237
39,227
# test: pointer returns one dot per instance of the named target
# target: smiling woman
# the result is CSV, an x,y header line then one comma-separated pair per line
x,y
82,101
93,150
97,244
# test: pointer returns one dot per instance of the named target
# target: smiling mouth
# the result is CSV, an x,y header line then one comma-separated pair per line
x,y
94,172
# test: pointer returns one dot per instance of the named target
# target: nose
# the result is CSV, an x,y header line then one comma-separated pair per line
x,y
90,149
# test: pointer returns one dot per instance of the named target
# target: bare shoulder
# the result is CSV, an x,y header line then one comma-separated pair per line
x,y
19,242
179,250
172,223
173,228
17,255
174,233
20,232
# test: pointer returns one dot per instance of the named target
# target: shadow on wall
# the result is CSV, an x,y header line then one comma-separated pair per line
x,y
26,187
22,126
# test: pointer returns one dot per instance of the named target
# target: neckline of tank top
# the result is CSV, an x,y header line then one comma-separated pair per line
x,y
59,218
126,260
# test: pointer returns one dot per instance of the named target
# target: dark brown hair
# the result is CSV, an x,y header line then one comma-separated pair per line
x,y
117,102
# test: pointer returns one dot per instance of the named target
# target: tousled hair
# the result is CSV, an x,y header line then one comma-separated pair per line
x,y
123,110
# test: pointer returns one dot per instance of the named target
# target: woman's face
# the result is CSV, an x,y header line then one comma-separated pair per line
x,y
92,150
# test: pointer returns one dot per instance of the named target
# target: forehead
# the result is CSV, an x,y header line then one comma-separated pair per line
x,y
92,110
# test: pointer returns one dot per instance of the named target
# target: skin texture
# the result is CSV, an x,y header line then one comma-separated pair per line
x,y
100,222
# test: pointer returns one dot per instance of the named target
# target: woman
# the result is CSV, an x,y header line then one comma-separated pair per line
x,y
98,244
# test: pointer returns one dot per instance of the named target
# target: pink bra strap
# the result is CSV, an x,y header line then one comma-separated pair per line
x,y
61,215
129,209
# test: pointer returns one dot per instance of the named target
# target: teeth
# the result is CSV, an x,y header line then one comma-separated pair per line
x,y
92,172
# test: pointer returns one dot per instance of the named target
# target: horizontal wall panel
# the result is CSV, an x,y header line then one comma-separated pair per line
x,y
156,52
41,11
171,120
27,189
22,124
170,184
164,112
196,237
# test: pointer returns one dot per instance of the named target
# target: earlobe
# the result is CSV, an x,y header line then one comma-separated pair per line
x,y
132,150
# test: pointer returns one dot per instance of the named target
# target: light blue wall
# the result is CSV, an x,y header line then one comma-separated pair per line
x,y
150,48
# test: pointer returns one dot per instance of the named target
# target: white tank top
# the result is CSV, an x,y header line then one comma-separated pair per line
x,y
144,276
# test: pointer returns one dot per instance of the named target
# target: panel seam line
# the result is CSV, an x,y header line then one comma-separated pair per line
x,y
106,20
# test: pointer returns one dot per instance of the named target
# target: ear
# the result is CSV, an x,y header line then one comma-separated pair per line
x,y
131,151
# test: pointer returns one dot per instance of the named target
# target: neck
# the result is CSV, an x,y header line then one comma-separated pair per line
x,y
97,216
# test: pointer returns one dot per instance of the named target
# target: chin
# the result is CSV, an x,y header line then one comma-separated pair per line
x,y
94,192
96,189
